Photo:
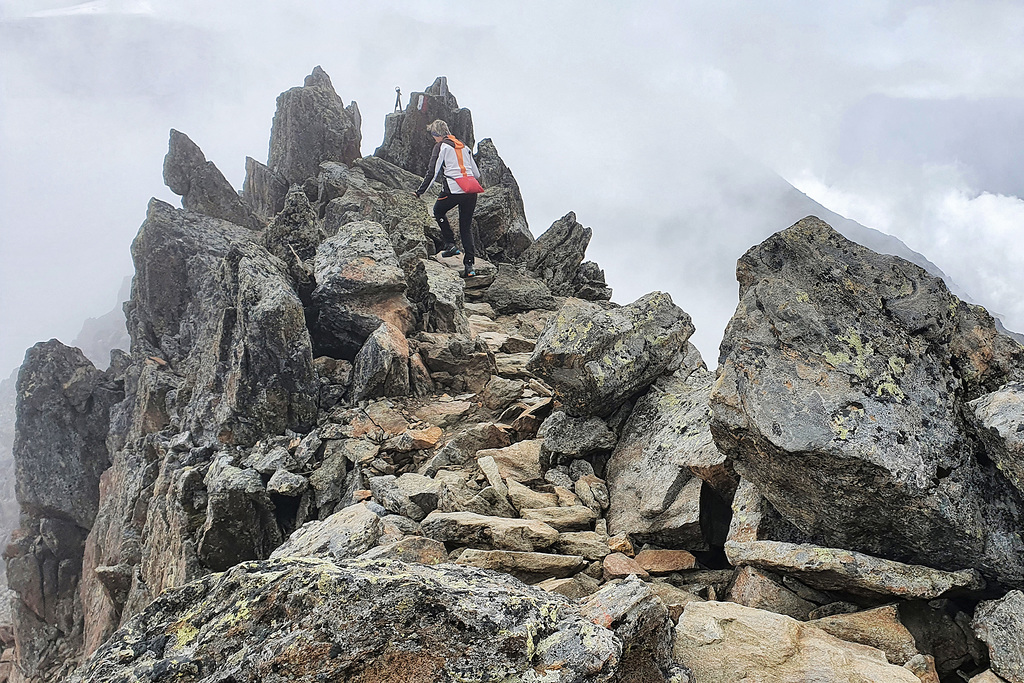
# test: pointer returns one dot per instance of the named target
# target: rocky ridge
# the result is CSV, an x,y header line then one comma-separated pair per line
x,y
329,456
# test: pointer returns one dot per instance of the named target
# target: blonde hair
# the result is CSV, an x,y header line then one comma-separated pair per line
x,y
439,128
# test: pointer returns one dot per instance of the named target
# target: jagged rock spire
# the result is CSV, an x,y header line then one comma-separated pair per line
x,y
313,125
406,142
200,184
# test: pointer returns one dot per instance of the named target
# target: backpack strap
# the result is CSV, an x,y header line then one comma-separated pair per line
x,y
458,155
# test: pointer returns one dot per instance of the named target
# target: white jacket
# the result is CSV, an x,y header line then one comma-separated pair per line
x,y
452,162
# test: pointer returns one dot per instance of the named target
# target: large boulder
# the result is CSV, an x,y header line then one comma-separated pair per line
x,y
499,219
240,523
220,310
200,184
309,619
439,293
843,387
381,367
312,125
359,286
595,359
514,291
406,141
722,641
665,453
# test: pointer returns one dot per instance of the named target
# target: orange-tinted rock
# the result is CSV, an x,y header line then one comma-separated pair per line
x,y
665,561
618,566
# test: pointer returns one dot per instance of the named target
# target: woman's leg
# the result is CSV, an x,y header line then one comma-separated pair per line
x,y
441,208
467,204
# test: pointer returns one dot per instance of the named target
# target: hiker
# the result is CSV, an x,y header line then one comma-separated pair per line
x,y
453,163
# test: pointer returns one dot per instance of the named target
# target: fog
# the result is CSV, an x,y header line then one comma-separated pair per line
x,y
675,130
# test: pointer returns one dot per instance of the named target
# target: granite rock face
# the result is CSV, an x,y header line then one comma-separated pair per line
x,y
843,387
357,621
201,186
312,125
406,142
596,359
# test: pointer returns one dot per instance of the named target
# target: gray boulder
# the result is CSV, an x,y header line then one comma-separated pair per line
x,y
571,437
406,142
360,620
359,286
641,621
1000,624
347,194
312,125
438,292
240,522
201,186
514,291
999,419
293,235
499,219
843,387
596,359
665,452
381,367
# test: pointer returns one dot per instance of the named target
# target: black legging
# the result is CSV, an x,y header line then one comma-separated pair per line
x,y
466,204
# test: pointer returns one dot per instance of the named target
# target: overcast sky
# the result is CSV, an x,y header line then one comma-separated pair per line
x,y
670,128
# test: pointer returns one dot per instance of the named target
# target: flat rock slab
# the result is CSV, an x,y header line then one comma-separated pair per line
x,y
528,567
665,561
722,641
575,518
850,572
481,531
409,549
520,461
619,566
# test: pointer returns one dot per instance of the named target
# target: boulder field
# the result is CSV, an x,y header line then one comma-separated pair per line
x,y
328,457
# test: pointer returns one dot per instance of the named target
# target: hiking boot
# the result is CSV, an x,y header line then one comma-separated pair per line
x,y
470,272
450,251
